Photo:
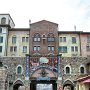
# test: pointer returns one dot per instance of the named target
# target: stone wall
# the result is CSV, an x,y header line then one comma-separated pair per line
x,y
13,62
3,76
74,63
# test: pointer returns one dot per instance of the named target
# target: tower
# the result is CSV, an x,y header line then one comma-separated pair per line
x,y
6,23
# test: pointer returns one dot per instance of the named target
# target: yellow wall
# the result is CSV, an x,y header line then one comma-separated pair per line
x,y
19,43
81,86
68,43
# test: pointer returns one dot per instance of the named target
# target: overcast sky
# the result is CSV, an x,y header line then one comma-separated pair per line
x,y
66,13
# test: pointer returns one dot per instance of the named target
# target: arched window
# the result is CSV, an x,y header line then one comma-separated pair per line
x,y
0,30
3,20
1,65
50,37
36,37
14,39
82,70
19,69
67,70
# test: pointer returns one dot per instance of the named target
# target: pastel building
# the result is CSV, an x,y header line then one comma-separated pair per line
x,y
30,57
85,44
6,22
18,42
69,43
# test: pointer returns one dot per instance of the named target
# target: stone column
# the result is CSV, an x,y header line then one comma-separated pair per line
x,y
3,75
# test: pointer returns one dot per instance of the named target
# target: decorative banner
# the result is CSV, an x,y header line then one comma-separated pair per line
x,y
59,62
37,62
27,65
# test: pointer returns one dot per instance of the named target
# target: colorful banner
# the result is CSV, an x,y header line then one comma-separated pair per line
x,y
27,65
59,62
36,62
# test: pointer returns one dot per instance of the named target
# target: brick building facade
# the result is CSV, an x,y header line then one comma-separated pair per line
x,y
30,56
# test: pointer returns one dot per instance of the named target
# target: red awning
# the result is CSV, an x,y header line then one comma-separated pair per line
x,y
86,81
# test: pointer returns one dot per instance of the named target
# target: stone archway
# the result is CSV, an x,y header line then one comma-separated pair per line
x,y
17,84
68,85
43,79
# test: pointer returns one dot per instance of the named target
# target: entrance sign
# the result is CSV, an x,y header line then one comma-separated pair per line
x,y
44,87
43,78
43,60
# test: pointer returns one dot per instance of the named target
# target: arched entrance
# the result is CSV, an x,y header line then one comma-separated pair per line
x,y
68,85
43,79
17,84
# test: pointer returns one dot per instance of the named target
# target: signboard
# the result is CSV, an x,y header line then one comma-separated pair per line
x,y
43,78
43,60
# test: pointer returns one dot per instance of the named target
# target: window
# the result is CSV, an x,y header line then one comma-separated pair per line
x,y
13,40
13,48
50,48
67,70
36,38
73,39
74,48
19,69
3,20
24,49
1,64
0,30
62,39
25,39
88,48
36,48
0,48
88,39
82,70
50,38
1,39
63,49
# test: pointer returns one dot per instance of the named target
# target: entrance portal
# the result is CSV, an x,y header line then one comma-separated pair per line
x,y
43,78
43,85
68,85
17,84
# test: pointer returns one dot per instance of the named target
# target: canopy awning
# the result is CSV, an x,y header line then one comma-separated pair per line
x,y
86,81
